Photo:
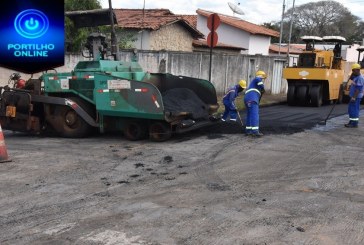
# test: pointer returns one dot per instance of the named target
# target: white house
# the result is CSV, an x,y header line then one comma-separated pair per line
x,y
234,31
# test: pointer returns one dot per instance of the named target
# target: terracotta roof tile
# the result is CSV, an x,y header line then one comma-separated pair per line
x,y
192,19
274,48
152,19
241,24
298,46
203,43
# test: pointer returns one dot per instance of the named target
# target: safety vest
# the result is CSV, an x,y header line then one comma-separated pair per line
x,y
253,92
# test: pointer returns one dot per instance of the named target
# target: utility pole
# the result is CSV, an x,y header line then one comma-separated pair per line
x,y
281,32
114,40
290,30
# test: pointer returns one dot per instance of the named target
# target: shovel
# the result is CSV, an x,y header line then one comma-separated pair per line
x,y
241,121
332,108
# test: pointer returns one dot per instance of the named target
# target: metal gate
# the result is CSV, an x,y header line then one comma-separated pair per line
x,y
277,76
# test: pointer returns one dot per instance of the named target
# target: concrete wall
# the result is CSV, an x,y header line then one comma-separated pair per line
x,y
171,37
227,69
70,61
142,40
217,50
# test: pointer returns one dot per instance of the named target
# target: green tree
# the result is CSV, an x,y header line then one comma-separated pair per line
x,y
126,38
76,37
273,26
358,35
73,5
323,18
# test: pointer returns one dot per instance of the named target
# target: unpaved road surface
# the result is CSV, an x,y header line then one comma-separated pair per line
x,y
207,188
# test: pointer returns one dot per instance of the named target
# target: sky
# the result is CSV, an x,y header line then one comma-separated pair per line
x,y
255,11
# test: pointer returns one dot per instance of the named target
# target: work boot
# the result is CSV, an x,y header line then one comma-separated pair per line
x,y
214,118
349,125
257,134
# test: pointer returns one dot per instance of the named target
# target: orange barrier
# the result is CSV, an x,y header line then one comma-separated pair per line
x,y
3,152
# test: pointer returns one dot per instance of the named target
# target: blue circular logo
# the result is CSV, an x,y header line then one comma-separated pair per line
x,y
31,23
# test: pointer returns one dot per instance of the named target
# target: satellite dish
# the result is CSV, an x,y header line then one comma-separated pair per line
x,y
235,8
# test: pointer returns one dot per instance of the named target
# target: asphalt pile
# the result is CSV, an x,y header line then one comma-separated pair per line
x,y
185,100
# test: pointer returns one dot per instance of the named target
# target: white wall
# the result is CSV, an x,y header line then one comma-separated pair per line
x,y
259,44
202,25
351,54
233,36
226,33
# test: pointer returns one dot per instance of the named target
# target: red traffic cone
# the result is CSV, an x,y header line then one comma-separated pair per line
x,y
3,152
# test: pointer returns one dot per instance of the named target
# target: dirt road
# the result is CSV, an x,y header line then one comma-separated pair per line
x,y
304,188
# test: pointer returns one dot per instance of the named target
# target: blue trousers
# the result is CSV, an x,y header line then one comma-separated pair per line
x,y
229,112
353,111
252,117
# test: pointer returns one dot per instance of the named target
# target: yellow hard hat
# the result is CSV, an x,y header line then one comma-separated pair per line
x,y
261,74
242,83
355,66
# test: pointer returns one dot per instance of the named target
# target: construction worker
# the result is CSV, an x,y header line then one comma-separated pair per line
x,y
356,94
251,100
229,98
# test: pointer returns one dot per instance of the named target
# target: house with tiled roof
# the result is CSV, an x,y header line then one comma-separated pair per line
x,y
192,19
255,39
160,29
157,29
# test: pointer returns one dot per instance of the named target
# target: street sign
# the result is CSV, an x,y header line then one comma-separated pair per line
x,y
212,39
213,22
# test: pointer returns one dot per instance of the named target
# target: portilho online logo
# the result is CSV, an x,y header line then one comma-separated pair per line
x,y
31,23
